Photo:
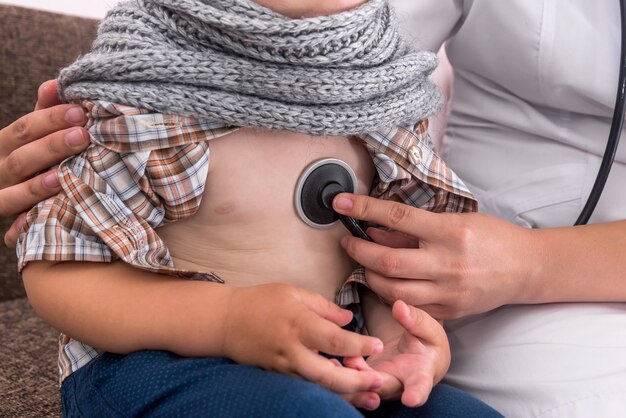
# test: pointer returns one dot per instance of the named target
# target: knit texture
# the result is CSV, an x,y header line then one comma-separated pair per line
x,y
238,62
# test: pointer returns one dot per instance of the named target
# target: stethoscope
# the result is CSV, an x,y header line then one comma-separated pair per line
x,y
317,187
324,179
614,133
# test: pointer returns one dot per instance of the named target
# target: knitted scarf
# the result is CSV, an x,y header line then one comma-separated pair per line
x,y
240,63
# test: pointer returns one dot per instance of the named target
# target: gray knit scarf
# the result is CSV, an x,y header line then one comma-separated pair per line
x,y
237,62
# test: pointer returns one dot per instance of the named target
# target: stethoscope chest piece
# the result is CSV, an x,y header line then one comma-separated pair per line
x,y
317,186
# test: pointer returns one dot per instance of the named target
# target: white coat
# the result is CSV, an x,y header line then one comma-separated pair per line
x,y
532,100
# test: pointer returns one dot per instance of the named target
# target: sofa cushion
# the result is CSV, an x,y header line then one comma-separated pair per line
x,y
35,46
29,377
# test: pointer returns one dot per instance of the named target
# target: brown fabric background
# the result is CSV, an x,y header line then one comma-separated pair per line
x,y
28,376
34,46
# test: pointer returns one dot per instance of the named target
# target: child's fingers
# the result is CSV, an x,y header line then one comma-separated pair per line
x,y
336,362
391,388
330,339
325,308
342,380
357,363
421,329
363,400
416,390
321,335
418,323
341,343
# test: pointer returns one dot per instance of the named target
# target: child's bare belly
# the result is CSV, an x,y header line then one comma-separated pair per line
x,y
247,229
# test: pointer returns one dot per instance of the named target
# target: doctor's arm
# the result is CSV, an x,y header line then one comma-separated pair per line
x,y
453,265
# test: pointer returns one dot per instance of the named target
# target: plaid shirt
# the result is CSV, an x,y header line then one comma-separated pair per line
x,y
146,169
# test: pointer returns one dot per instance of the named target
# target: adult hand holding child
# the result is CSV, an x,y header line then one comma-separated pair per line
x,y
33,143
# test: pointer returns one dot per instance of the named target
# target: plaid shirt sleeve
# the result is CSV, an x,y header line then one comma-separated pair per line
x,y
142,170
409,171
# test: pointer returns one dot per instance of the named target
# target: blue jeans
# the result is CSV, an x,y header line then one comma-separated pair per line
x,y
162,384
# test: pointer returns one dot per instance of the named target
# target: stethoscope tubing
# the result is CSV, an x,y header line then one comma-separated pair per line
x,y
614,133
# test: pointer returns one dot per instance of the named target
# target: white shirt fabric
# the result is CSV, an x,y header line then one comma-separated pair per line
x,y
530,112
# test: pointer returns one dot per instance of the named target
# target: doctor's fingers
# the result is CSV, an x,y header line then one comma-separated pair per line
x,y
438,302
47,95
391,262
38,125
416,222
23,196
393,239
28,159
415,292
11,236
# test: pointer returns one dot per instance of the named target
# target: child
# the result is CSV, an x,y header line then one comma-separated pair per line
x,y
176,186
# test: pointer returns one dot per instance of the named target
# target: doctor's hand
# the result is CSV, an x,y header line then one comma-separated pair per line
x,y
33,143
449,264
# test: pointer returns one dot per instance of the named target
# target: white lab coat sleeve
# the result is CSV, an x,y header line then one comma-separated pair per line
x,y
429,23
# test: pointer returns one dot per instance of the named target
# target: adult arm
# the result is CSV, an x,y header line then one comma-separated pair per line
x,y
35,142
453,264
120,309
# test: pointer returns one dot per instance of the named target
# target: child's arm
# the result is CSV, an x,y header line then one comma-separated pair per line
x,y
120,309
416,354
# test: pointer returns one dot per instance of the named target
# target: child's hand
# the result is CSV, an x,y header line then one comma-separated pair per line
x,y
411,364
283,328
